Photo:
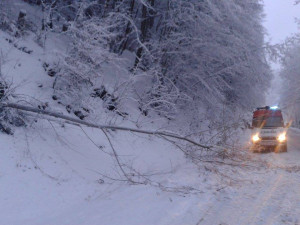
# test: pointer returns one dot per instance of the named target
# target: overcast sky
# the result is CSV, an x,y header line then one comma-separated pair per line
x,y
280,18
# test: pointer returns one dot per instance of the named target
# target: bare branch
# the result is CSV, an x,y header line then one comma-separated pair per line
x,y
99,126
117,158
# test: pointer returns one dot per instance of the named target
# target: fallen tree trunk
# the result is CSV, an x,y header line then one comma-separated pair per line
x,y
99,126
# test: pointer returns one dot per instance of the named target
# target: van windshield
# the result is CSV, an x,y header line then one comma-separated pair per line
x,y
268,122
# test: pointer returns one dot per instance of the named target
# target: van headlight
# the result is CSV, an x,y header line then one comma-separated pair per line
x,y
281,137
255,138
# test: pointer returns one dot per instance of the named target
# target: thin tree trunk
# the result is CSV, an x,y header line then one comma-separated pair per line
x,y
100,126
123,46
144,25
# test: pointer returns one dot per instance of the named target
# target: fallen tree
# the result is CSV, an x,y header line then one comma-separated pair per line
x,y
100,126
133,176
103,128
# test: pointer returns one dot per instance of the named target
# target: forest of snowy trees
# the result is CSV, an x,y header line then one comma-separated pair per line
x,y
187,58
289,73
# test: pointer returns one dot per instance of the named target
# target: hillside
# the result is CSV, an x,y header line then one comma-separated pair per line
x,y
58,173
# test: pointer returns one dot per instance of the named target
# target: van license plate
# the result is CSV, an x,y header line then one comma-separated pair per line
x,y
268,142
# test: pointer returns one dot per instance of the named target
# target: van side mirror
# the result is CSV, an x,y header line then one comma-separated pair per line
x,y
287,125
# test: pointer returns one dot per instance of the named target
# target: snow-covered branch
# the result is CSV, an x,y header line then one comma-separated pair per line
x,y
100,126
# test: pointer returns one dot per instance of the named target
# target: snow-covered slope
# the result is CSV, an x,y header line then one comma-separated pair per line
x,y
53,175
56,173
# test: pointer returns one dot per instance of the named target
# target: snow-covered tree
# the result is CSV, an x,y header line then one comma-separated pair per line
x,y
290,62
191,56
207,53
290,75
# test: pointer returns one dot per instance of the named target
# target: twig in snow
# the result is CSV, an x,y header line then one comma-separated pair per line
x,y
117,158
36,166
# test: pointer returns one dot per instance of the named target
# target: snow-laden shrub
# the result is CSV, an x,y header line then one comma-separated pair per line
x,y
9,118
6,24
16,28
79,72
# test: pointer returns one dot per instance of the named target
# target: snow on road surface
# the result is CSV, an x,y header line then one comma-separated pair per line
x,y
272,197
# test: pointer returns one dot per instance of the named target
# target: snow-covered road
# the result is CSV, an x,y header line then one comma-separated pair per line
x,y
266,195
273,198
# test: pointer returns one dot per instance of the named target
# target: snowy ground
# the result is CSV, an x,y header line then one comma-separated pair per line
x,y
55,180
52,177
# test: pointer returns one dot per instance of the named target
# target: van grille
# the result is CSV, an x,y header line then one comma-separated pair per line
x,y
268,138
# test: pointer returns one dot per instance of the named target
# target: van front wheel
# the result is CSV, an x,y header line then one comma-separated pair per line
x,y
256,148
282,148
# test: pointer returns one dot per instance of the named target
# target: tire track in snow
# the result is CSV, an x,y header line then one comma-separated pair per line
x,y
262,204
274,199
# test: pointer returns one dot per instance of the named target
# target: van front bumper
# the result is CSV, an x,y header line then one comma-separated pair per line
x,y
270,143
